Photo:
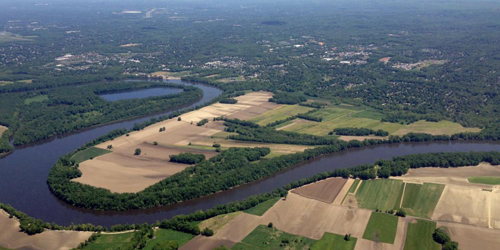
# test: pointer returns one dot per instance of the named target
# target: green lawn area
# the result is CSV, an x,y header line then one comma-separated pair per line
x,y
121,240
110,242
280,113
342,116
381,228
162,235
260,209
38,98
88,154
3,248
334,242
382,194
264,237
421,200
490,180
419,236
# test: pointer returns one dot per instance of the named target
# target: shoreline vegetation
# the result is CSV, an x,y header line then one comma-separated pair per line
x,y
397,166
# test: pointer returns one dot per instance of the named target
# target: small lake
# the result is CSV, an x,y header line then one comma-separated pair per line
x,y
141,93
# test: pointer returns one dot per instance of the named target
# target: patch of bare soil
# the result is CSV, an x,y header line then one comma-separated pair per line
x,y
472,237
360,138
456,176
464,205
12,238
343,192
206,243
325,190
312,218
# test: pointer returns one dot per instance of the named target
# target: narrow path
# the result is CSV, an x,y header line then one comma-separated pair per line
x,y
402,196
489,209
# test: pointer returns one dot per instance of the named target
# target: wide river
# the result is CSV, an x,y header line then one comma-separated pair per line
x,y
23,174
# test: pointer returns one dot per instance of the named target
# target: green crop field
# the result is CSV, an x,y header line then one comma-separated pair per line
x,y
419,236
264,237
381,228
343,116
122,240
421,200
110,242
38,98
334,242
489,180
89,153
354,186
383,194
162,235
262,207
280,113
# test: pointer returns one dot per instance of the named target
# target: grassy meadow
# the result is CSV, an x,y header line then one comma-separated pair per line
x,y
280,113
489,180
88,154
260,209
38,98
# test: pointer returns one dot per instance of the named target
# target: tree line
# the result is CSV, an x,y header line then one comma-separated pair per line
x,y
359,132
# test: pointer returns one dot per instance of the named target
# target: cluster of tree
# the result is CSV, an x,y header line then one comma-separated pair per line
x,y
309,117
228,101
187,158
359,132
315,105
441,236
288,98
202,122
253,132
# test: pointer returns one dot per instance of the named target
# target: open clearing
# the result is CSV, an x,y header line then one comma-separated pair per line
x,y
10,37
381,228
280,113
2,129
12,238
420,200
472,237
334,241
325,190
38,98
342,116
121,171
382,194
419,236
458,176
264,237
88,154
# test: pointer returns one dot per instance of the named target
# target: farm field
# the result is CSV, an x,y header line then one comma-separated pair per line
x,y
122,171
420,200
12,238
216,223
264,237
488,180
325,190
455,176
472,237
381,227
334,241
347,116
280,113
10,37
419,236
382,194
260,209
88,154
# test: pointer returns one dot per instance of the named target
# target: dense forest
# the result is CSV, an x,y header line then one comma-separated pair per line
x,y
37,115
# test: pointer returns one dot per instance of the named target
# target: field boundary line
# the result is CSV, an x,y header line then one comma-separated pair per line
x,y
359,185
402,196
